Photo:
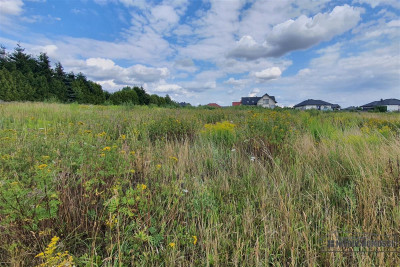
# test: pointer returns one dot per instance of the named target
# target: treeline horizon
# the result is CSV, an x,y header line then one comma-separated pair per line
x,y
24,77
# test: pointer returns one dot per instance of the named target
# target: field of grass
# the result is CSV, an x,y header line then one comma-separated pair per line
x,y
123,186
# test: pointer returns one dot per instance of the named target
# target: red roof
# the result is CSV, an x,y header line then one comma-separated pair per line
x,y
236,103
214,105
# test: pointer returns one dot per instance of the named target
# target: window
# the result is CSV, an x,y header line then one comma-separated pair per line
x,y
266,101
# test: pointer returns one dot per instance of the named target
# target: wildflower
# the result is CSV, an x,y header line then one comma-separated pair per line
x,y
107,148
81,123
142,186
101,134
132,171
172,244
42,166
233,150
88,131
123,136
102,155
158,166
122,152
132,153
174,158
194,240
252,158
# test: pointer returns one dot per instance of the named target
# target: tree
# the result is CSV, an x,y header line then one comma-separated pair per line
x,y
7,85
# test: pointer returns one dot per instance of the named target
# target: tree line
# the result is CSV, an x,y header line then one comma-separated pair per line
x,y
24,77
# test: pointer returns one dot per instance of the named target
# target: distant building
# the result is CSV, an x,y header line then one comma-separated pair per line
x,y
213,105
264,101
316,104
391,104
236,103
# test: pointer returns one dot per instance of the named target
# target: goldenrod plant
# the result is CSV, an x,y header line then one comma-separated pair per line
x,y
140,186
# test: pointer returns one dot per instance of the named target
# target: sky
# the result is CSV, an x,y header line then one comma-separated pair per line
x,y
343,52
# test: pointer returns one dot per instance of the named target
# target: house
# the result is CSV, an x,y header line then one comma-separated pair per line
x,y
316,104
391,104
264,101
236,103
215,105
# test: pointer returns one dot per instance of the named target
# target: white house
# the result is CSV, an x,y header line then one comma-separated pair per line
x,y
316,104
391,104
265,101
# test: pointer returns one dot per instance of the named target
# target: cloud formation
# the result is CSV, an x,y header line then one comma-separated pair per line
x,y
268,74
298,34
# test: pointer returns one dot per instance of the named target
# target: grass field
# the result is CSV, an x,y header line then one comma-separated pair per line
x,y
123,185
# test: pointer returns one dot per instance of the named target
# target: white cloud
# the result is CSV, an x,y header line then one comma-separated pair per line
x,y
11,7
167,88
268,74
254,92
8,10
240,83
111,75
298,34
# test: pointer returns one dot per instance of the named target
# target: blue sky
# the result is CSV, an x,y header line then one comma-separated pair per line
x,y
345,52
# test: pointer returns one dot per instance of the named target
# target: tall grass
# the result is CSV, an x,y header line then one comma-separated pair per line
x,y
223,187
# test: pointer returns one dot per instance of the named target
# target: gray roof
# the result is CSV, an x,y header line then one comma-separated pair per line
x,y
383,102
252,101
312,102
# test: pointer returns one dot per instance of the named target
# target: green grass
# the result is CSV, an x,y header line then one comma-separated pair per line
x,y
144,186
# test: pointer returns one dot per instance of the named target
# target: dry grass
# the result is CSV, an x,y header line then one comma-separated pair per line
x,y
266,192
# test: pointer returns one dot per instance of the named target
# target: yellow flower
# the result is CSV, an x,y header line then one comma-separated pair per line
x,y
174,158
81,123
107,148
88,131
132,171
132,153
101,134
42,166
194,240
172,244
122,152
158,166
102,155
142,186
123,136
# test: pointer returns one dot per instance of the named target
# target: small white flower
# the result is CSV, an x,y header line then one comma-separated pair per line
x,y
185,190
252,158
233,150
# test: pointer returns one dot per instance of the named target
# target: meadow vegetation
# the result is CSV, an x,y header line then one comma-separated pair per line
x,y
150,186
